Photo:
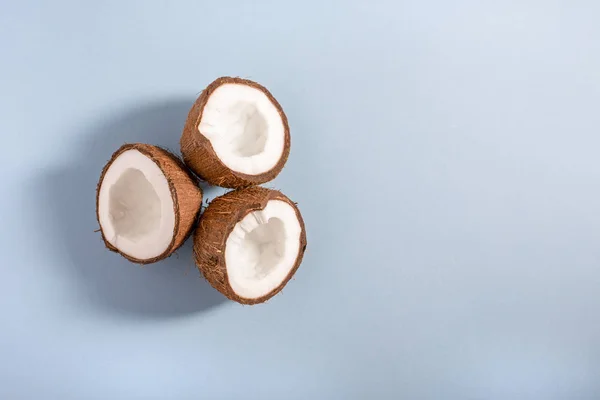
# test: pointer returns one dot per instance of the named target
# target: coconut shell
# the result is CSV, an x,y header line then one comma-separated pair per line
x,y
215,226
186,194
200,156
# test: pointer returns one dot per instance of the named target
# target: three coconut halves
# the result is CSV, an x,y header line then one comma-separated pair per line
x,y
249,242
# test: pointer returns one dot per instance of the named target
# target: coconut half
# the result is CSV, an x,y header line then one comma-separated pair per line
x,y
236,134
146,203
249,243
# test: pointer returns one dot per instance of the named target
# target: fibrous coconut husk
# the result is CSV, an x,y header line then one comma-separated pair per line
x,y
215,225
200,156
185,192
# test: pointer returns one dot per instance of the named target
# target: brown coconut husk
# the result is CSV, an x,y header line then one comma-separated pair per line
x,y
187,196
200,156
214,228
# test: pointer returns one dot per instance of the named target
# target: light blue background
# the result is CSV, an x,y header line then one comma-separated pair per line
x,y
445,157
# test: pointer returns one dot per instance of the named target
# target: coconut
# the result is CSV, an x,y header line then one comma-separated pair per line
x,y
146,203
249,243
236,134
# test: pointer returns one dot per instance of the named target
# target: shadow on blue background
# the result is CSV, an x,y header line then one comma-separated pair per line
x,y
165,289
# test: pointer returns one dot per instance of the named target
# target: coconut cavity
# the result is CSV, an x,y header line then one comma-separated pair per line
x,y
249,243
262,248
134,206
146,203
236,134
236,125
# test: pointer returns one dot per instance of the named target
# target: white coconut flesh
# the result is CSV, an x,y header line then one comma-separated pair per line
x,y
135,206
244,128
262,249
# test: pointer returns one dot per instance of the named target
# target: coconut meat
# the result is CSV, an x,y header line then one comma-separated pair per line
x,y
262,249
135,206
244,128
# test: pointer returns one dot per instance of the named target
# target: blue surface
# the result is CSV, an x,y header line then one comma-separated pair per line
x,y
445,157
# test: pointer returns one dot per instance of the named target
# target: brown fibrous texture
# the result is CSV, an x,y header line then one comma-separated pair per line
x,y
200,156
214,228
186,194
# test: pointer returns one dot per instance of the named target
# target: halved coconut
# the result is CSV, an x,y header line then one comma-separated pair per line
x,y
236,134
146,203
249,243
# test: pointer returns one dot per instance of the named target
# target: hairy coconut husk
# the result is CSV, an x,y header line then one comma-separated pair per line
x,y
215,225
186,194
200,156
